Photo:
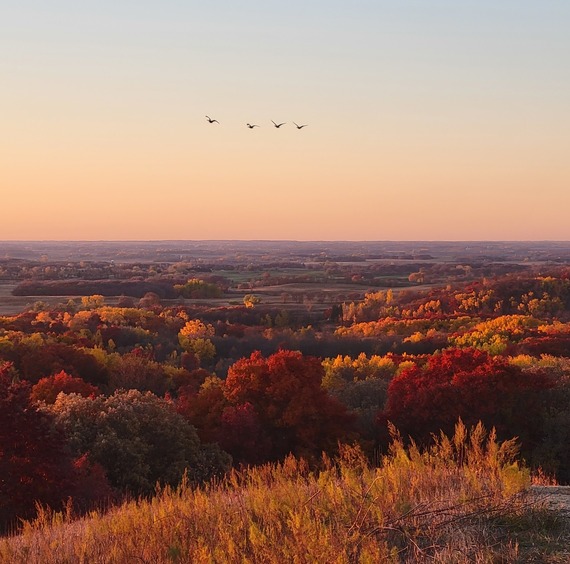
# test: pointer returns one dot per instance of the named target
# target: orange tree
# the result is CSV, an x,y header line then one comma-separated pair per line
x,y
48,388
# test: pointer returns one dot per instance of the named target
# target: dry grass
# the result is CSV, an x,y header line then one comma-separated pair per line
x,y
452,503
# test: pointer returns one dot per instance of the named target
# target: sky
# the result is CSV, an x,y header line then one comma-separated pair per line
x,y
427,120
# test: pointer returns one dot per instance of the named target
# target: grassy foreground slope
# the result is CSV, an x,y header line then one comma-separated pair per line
x,y
462,500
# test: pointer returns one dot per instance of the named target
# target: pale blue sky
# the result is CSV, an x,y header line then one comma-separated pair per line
x,y
428,119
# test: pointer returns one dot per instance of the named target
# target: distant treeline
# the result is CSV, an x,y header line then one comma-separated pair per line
x,y
134,288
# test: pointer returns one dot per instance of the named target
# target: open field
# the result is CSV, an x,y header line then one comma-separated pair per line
x,y
11,305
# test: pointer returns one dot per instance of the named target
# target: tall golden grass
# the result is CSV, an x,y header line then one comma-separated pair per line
x,y
441,504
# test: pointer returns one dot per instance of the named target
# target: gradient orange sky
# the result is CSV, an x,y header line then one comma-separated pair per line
x,y
428,120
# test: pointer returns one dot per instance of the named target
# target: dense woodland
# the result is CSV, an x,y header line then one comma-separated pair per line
x,y
188,372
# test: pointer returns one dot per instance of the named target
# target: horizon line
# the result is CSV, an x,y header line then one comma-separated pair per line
x,y
284,241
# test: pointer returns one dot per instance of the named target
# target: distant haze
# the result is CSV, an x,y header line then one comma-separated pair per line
x,y
427,120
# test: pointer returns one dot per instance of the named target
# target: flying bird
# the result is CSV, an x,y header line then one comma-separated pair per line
x,y
300,126
210,120
251,126
278,125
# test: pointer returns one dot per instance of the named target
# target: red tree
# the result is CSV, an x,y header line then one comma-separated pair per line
x,y
242,435
204,408
47,388
285,393
34,463
470,384
92,488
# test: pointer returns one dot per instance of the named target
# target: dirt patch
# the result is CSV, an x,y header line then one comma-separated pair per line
x,y
551,541
556,497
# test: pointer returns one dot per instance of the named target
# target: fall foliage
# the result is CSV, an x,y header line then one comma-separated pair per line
x,y
284,390
127,393
471,385
35,464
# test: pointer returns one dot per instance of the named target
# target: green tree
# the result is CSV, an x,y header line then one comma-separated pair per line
x,y
138,439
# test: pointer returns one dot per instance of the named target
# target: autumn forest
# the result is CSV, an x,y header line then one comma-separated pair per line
x,y
127,367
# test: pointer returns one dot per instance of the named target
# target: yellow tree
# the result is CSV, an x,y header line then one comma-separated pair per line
x,y
194,337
